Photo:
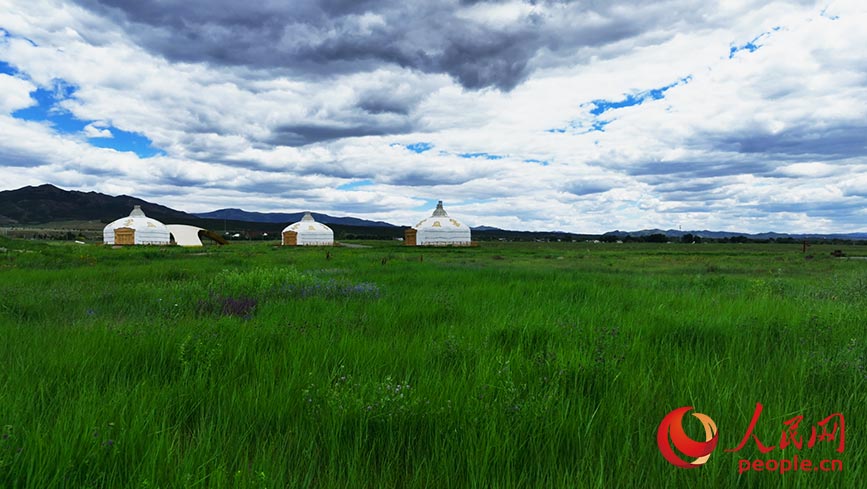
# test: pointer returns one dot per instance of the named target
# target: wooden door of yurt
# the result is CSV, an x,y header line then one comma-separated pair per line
x,y
409,237
290,238
124,236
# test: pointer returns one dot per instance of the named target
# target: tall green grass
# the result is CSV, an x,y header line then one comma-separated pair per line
x,y
509,365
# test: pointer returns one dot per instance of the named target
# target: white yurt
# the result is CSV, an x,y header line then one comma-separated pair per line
x,y
438,230
136,229
308,232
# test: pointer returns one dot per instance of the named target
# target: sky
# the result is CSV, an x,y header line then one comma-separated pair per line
x,y
579,116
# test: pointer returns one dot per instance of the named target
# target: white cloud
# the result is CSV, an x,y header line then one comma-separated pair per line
x,y
95,130
16,94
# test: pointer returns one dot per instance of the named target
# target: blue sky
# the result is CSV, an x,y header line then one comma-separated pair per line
x,y
48,109
542,115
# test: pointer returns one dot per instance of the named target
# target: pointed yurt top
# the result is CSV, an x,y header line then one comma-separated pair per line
x,y
440,219
439,211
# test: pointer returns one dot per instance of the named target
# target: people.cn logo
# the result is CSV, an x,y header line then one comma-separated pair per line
x,y
672,427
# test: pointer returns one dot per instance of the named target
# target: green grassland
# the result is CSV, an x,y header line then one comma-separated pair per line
x,y
509,365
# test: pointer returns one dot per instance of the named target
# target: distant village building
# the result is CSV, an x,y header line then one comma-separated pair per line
x,y
136,229
308,232
438,230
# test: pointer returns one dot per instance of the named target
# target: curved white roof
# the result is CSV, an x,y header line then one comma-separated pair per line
x,y
185,235
311,232
440,229
147,230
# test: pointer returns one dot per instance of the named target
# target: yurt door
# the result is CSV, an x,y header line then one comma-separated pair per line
x,y
409,237
290,238
124,236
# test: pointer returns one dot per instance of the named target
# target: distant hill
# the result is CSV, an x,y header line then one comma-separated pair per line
x,y
47,203
286,218
676,233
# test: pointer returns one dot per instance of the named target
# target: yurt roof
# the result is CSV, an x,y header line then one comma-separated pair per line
x,y
308,225
136,220
440,220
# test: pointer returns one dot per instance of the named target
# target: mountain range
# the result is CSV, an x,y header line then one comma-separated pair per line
x,y
48,203
285,218
676,233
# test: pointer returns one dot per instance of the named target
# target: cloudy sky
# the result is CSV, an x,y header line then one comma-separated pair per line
x,y
582,116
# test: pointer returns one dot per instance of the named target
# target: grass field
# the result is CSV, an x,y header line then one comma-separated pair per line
x,y
509,365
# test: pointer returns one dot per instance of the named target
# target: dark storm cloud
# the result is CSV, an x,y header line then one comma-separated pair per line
x,y
182,181
312,38
359,207
695,209
802,143
837,210
102,172
855,192
587,187
285,189
692,191
428,179
656,172
377,105
300,135
688,186
12,157
257,184
749,151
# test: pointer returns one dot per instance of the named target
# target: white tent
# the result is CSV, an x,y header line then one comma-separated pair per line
x,y
438,230
185,235
136,229
308,232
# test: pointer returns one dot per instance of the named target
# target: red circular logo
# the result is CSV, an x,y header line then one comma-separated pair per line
x,y
672,426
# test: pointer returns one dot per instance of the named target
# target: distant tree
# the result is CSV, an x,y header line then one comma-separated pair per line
x,y
656,238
